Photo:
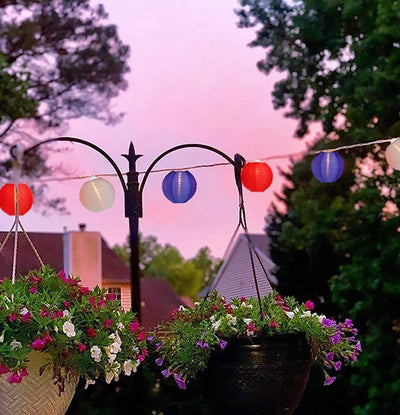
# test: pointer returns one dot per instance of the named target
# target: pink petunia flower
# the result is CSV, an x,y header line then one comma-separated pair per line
x,y
91,332
309,305
4,369
111,296
26,315
81,347
38,344
108,323
134,326
14,378
12,317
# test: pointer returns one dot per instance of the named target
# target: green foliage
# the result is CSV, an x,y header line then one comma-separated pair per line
x,y
14,99
339,65
187,277
86,332
337,58
186,343
74,62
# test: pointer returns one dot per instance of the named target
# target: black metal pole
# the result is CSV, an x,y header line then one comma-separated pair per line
x,y
133,211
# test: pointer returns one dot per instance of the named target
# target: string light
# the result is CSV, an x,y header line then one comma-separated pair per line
x,y
199,166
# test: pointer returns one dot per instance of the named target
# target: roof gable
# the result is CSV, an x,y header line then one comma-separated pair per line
x,y
235,277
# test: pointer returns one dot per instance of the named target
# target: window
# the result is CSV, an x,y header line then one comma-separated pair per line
x,y
116,291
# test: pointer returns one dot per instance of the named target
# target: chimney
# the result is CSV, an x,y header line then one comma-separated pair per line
x,y
83,256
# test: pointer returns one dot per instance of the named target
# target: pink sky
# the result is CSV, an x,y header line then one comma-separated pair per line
x,y
193,79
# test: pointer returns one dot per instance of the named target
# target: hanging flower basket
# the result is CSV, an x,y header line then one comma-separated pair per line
x,y
260,375
252,355
38,393
53,331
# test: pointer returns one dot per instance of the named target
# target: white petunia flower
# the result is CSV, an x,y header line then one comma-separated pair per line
x,y
231,320
247,320
109,377
15,345
290,314
111,357
130,367
66,313
89,382
306,314
216,324
115,347
95,353
69,329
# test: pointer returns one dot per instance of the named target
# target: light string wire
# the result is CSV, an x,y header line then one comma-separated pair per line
x,y
200,166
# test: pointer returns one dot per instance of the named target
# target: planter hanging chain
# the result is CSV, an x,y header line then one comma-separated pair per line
x,y
17,175
239,163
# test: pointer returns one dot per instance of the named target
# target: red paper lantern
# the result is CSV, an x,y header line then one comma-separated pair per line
x,y
257,176
7,198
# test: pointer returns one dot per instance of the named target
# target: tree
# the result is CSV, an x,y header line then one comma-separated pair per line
x,y
339,66
58,61
187,277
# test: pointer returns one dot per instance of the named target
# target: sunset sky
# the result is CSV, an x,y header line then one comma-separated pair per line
x,y
193,79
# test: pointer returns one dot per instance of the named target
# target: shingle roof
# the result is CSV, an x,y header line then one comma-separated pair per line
x,y
158,301
48,245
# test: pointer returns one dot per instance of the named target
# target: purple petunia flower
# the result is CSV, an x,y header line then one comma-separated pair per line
x,y
166,373
158,346
327,322
336,338
222,344
205,345
150,339
159,361
330,356
179,381
337,365
199,343
358,347
348,323
329,380
354,357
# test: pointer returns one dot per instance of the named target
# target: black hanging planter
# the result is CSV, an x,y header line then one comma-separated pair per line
x,y
258,376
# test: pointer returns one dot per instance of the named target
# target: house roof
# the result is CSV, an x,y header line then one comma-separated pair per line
x,y
235,277
48,245
158,297
158,301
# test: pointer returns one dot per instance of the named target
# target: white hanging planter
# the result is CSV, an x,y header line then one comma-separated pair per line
x,y
37,393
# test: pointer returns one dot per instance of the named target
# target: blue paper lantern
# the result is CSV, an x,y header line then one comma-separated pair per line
x,y
327,167
179,186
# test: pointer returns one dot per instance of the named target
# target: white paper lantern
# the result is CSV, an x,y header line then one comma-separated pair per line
x,y
97,194
393,153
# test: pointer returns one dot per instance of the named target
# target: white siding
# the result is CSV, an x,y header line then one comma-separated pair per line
x,y
236,275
